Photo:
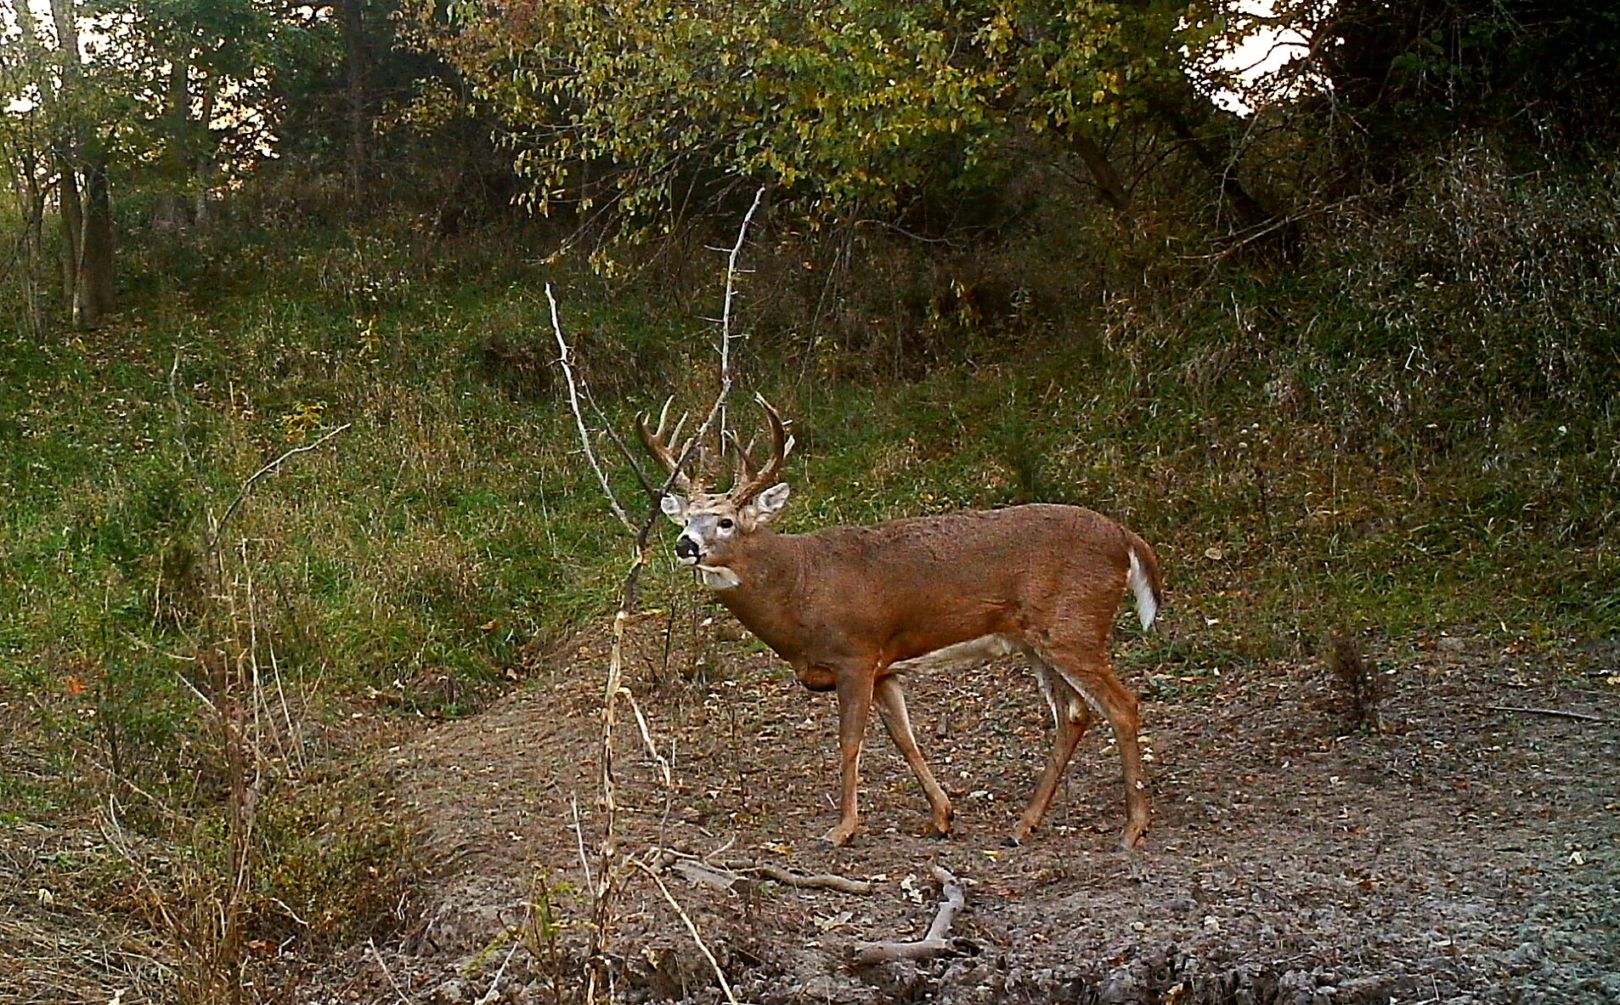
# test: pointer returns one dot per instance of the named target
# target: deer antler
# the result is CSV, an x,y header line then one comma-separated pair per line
x,y
658,444
759,479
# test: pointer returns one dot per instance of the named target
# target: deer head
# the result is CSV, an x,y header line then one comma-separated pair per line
x,y
712,524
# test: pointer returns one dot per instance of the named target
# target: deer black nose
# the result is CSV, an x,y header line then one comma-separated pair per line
x,y
685,547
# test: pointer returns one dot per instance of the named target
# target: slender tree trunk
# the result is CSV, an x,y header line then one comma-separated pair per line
x,y
70,209
87,246
202,166
31,242
62,145
354,34
95,287
1109,186
1246,209
169,212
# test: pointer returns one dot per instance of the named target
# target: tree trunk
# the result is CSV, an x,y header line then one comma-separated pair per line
x,y
95,286
31,242
169,211
87,228
354,28
203,165
1247,211
70,207
1109,186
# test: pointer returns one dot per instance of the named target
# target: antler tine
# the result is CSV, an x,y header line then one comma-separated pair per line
x,y
782,444
658,445
742,466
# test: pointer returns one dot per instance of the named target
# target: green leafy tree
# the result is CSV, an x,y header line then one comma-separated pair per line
x,y
646,106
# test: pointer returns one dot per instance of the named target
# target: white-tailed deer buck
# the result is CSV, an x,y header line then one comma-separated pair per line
x,y
853,609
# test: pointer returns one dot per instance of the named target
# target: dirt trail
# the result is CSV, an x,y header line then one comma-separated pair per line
x,y
1465,855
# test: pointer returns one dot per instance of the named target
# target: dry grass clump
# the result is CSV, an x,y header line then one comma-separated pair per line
x,y
1357,683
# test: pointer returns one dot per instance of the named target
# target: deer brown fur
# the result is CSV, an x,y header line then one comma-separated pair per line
x,y
853,609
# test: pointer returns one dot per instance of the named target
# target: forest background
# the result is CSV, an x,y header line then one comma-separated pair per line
x,y
1332,323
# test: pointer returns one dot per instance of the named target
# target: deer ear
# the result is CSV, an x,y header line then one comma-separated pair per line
x,y
674,507
771,501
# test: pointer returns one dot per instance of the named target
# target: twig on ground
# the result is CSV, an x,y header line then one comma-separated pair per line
x,y
376,955
816,881
495,983
579,837
1557,713
935,943
691,928
666,769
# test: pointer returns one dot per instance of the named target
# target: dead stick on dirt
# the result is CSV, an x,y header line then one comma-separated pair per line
x,y
494,985
666,769
579,838
1557,713
816,881
934,943
692,928
378,957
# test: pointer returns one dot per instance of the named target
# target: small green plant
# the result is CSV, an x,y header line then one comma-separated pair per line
x,y
546,926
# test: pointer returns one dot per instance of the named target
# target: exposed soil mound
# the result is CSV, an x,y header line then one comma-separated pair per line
x,y
1466,853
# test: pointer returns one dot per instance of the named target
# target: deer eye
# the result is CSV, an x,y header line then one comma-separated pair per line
x,y
726,523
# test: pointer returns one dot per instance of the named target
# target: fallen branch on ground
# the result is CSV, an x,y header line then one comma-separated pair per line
x,y
817,881
1556,713
935,943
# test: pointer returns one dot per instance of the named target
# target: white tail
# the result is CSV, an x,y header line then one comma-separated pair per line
x,y
1147,600
853,609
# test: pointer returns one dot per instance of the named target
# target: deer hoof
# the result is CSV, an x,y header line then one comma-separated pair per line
x,y
839,836
1134,838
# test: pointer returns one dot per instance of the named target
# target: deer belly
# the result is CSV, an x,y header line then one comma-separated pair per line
x,y
962,654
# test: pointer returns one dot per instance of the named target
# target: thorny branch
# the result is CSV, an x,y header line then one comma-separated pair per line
x,y
610,869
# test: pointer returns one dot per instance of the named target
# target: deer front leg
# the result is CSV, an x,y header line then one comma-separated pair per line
x,y
855,688
891,702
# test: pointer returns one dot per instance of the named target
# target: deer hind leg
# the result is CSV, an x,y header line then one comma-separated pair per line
x,y
855,690
1091,676
1071,717
891,703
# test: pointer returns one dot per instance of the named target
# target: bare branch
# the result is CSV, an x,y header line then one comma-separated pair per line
x,y
608,875
691,928
814,881
268,469
376,955
565,359
725,312
1556,713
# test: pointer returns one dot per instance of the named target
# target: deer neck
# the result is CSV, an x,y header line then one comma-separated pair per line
x,y
770,572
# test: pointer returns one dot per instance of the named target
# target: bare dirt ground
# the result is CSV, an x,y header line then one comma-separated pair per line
x,y
1464,854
